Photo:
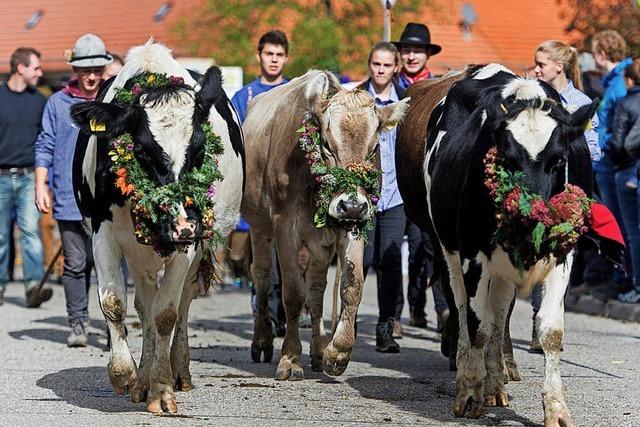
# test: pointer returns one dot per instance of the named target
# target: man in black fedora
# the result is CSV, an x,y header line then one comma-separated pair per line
x,y
415,48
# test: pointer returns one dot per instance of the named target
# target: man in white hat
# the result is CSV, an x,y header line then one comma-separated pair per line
x,y
54,156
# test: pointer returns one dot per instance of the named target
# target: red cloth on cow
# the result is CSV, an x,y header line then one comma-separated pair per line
x,y
604,224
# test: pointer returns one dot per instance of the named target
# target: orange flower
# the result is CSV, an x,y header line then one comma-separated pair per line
x,y
124,187
188,202
122,172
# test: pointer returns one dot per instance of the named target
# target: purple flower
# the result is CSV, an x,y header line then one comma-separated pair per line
x,y
318,179
176,80
211,192
129,147
136,89
374,199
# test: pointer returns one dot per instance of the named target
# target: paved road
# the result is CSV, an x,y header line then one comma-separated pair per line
x,y
45,383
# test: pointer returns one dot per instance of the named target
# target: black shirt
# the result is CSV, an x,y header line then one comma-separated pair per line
x,y
20,116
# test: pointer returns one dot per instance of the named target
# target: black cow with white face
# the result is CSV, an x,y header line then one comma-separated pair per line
x,y
532,132
165,124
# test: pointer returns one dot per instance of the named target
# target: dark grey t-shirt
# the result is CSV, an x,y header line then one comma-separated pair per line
x,y
20,116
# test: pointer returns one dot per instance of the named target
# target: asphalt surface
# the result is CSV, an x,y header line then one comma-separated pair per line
x,y
46,383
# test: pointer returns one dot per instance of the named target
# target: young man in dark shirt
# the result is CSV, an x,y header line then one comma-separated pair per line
x,y
21,108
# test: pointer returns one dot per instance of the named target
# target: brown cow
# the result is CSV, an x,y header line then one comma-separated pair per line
x,y
279,205
412,141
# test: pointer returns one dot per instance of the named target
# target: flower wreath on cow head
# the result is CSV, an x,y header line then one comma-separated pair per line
x,y
153,202
332,179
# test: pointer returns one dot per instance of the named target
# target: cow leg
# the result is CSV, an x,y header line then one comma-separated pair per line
x,y
550,322
180,355
146,289
511,372
316,277
470,371
164,313
338,353
293,298
123,372
262,342
501,295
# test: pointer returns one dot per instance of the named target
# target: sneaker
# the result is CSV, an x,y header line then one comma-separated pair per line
x,y
78,336
397,330
419,320
237,283
631,297
384,339
36,295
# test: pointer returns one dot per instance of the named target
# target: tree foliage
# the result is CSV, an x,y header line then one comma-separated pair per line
x,y
327,34
587,17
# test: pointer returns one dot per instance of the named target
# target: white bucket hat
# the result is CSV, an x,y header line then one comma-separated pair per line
x,y
89,51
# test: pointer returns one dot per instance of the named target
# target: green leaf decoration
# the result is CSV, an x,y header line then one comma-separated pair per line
x,y
538,235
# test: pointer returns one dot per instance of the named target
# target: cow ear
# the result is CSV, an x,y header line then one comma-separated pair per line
x,y
493,108
102,119
581,118
211,89
390,115
318,91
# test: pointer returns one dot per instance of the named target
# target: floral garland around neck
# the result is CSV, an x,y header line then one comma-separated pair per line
x,y
153,202
333,179
551,228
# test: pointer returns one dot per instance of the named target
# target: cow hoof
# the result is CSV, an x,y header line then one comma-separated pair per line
x,y
138,394
289,371
183,384
166,403
559,419
335,362
258,349
470,407
123,376
513,373
499,399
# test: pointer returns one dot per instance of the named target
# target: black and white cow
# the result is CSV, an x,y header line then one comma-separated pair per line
x,y
490,106
165,125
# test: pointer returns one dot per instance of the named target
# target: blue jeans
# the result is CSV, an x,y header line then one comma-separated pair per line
x,y
17,192
628,202
76,275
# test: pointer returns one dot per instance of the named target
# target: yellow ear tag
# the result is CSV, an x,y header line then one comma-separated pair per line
x,y
589,126
97,127
503,108
391,125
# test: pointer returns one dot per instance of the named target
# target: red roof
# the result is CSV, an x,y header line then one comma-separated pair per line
x,y
120,23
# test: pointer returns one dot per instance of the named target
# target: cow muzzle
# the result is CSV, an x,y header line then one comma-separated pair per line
x,y
346,207
184,229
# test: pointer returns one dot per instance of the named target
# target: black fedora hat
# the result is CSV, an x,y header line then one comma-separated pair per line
x,y
418,35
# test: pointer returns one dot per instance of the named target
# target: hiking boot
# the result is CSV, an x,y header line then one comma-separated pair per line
x,y
34,295
419,320
397,330
78,335
442,320
384,339
631,297
536,346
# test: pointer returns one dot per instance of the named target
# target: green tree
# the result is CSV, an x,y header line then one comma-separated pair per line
x,y
326,34
587,17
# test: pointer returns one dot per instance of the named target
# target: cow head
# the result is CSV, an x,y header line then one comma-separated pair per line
x,y
350,124
165,126
536,135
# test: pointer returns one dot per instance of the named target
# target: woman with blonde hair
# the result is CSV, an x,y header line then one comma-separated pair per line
x,y
557,64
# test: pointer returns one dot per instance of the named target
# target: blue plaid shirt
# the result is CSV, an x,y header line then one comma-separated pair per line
x,y
389,194
572,99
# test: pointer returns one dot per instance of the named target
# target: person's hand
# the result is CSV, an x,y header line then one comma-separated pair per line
x,y
43,198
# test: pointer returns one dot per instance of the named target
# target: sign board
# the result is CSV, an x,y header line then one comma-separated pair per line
x,y
231,76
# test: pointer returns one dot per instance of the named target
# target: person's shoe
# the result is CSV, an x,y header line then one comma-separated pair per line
x,y
384,339
582,289
631,297
237,283
536,346
397,330
419,320
78,335
442,320
34,295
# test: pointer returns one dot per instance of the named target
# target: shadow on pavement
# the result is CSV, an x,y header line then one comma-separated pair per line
x,y
88,388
